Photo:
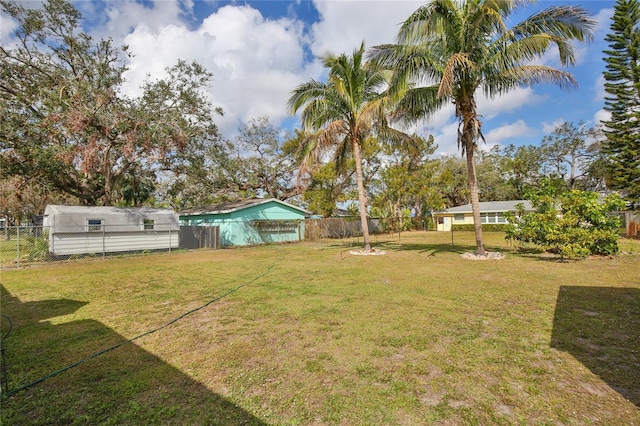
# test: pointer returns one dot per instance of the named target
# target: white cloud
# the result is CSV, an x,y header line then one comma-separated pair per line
x,y
601,116
344,24
520,97
599,89
116,19
550,127
603,19
255,62
507,131
7,26
447,139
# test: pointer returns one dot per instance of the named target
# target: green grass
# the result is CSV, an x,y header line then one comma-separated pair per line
x,y
313,335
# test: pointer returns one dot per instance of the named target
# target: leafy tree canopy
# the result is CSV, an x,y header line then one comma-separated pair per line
x,y
67,122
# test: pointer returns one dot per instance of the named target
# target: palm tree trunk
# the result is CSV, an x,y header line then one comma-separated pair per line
x,y
470,134
475,199
357,155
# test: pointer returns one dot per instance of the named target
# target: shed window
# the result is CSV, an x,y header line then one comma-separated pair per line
x,y
458,217
148,224
275,226
94,225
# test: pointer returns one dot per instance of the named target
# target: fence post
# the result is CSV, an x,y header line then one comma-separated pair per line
x,y
104,236
170,229
18,245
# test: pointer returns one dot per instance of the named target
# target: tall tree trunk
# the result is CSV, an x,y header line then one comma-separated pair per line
x,y
475,199
357,155
471,132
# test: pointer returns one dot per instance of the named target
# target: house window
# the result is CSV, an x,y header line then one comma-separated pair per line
x,y
487,218
492,218
148,224
94,225
458,217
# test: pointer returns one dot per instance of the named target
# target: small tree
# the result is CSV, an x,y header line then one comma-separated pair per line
x,y
573,224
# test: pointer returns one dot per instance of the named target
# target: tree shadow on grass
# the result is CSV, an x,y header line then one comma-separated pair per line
x,y
600,327
429,249
126,385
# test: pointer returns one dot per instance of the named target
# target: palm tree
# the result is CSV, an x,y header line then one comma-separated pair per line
x,y
448,50
340,115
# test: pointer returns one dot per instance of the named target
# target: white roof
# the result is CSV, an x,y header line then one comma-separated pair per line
x,y
74,218
104,210
491,207
232,206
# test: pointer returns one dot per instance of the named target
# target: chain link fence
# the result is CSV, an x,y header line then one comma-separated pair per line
x,y
22,246
339,228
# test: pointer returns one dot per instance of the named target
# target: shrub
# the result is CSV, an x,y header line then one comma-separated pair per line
x,y
572,224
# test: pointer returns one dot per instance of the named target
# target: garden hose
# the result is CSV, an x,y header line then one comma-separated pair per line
x,y
8,393
3,361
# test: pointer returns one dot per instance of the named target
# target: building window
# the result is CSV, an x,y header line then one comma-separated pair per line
x,y
148,224
487,218
275,226
458,217
492,218
94,225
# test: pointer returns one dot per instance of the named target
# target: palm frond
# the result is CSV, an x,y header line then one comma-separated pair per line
x,y
528,75
562,24
457,65
417,103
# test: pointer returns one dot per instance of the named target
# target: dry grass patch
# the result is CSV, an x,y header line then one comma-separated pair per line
x,y
312,335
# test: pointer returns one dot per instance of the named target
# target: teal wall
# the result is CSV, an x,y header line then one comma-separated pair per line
x,y
237,229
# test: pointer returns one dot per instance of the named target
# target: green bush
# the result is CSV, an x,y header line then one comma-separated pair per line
x,y
573,224
35,248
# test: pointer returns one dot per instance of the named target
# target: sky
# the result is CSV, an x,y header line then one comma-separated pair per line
x,y
259,51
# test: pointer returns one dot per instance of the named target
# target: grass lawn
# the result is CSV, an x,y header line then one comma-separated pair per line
x,y
307,334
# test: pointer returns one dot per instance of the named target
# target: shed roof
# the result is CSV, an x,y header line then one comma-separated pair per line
x,y
104,210
232,206
491,207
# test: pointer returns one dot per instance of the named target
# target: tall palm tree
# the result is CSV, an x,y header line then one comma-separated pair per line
x,y
449,50
340,115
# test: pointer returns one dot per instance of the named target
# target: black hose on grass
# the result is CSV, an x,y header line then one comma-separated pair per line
x,y
8,393
3,360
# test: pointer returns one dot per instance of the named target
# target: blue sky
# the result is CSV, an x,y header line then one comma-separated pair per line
x,y
259,51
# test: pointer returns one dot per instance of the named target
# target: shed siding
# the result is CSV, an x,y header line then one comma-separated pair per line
x,y
237,227
120,229
61,244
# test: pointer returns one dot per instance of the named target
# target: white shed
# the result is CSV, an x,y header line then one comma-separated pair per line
x,y
86,230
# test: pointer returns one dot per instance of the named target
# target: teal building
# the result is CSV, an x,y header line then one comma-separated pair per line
x,y
250,222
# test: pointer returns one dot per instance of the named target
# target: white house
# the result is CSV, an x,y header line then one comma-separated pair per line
x,y
86,230
491,212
